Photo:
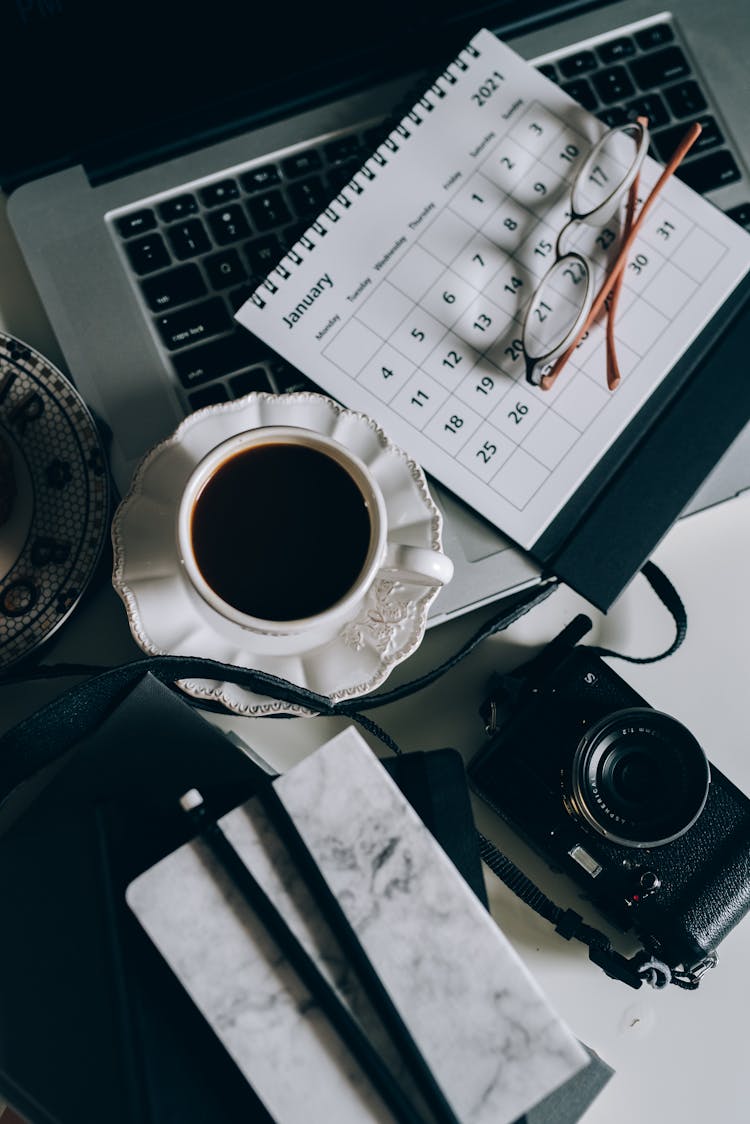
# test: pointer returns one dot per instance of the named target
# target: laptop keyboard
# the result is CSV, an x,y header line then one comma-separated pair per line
x,y
649,73
197,255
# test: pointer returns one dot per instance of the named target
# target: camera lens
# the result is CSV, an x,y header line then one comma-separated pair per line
x,y
639,778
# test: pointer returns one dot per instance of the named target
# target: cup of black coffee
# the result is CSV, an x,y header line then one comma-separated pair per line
x,y
283,530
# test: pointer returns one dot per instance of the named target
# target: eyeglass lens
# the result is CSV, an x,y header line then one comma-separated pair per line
x,y
607,172
556,306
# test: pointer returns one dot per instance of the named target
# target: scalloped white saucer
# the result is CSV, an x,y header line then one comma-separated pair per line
x,y
168,617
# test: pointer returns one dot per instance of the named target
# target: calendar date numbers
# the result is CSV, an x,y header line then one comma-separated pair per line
x,y
486,452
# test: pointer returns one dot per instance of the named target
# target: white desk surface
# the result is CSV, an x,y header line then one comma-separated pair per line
x,y
679,1056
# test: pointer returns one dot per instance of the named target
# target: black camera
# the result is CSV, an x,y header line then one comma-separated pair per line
x,y
622,798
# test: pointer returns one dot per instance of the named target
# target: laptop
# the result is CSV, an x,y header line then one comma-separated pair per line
x,y
158,163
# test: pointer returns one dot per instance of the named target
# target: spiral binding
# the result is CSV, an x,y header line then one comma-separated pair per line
x,y
380,158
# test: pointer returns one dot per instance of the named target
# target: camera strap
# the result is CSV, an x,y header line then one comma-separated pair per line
x,y
671,600
47,734
42,737
644,967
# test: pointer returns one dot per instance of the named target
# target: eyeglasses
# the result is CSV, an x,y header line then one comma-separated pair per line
x,y
563,306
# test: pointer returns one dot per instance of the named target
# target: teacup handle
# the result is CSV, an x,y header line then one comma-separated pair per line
x,y
418,564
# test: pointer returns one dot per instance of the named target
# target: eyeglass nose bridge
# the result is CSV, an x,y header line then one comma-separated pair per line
x,y
560,251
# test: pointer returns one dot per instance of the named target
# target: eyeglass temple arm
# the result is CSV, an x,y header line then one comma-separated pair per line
x,y
613,367
678,156
613,299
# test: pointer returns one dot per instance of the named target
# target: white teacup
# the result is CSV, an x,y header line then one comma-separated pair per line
x,y
284,531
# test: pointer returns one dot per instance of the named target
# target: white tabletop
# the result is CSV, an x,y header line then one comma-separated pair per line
x,y
678,1056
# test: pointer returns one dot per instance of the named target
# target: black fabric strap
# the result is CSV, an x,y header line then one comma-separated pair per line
x,y
671,600
634,971
55,728
567,923
68,719
512,611
504,619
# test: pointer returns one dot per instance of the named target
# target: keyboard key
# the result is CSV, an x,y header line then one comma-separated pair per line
x,y
208,396
308,196
685,100
340,174
741,214
259,179
711,135
579,63
301,164
616,50
193,324
666,141
250,382
660,68
293,234
613,84
220,357
175,287
288,379
654,36
137,223
148,254
224,269
188,239
228,224
613,116
268,210
178,208
262,254
651,106
345,148
238,296
548,70
581,91
217,193
709,172
374,137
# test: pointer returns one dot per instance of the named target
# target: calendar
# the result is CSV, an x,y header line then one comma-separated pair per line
x,y
405,298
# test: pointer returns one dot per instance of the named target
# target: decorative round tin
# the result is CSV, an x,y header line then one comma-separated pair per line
x,y
52,540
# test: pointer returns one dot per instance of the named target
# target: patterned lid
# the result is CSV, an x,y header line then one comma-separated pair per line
x,y
58,514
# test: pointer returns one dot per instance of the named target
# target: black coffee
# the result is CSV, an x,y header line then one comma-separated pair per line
x,y
280,531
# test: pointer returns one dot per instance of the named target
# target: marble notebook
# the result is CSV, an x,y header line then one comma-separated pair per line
x,y
479,1019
